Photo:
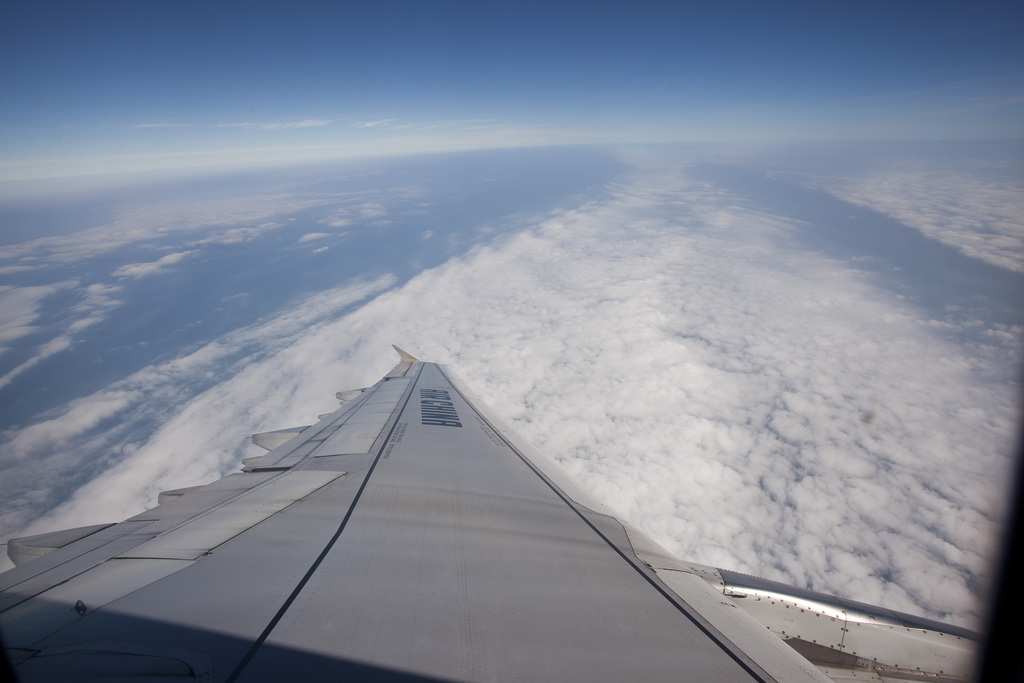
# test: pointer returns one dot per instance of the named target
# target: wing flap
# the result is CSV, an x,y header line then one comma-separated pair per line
x,y
830,630
203,534
364,425
271,440
22,550
740,628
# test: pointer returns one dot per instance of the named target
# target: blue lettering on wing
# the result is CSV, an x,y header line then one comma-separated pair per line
x,y
437,409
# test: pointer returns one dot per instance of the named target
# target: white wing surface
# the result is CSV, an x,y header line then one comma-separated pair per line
x,y
411,535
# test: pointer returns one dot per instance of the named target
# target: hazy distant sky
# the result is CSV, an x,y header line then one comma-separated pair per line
x,y
90,87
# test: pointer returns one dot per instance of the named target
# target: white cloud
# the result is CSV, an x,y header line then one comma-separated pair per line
x,y
367,206
95,301
98,297
681,357
313,236
980,215
53,346
137,270
82,323
373,124
370,210
221,221
20,308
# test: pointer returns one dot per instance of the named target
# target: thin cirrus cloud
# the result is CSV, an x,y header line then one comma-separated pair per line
x,y
252,125
192,152
137,270
673,349
198,223
276,125
21,306
314,236
42,352
160,125
373,124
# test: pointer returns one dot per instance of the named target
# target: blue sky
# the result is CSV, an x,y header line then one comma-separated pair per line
x,y
104,86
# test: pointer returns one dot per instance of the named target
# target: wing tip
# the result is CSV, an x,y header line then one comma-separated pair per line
x,y
404,355
406,360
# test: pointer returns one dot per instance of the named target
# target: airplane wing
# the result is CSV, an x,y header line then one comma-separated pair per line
x,y
411,535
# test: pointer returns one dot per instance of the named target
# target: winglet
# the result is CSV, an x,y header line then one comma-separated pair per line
x,y
406,358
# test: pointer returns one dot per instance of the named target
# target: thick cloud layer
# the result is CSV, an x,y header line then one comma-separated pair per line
x,y
751,403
